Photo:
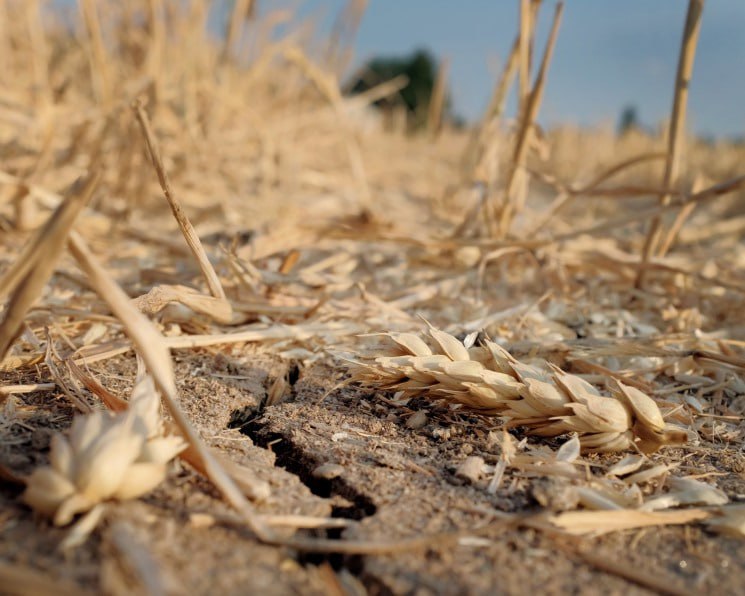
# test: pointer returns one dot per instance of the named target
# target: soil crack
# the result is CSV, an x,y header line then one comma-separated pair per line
x,y
354,506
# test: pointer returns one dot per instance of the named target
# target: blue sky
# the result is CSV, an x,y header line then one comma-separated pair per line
x,y
610,53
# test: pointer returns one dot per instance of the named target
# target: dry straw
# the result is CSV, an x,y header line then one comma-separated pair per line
x,y
516,184
437,102
676,132
190,235
328,85
545,400
149,342
223,148
27,278
242,11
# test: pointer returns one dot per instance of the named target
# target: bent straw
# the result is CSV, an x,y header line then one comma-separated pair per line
x,y
190,235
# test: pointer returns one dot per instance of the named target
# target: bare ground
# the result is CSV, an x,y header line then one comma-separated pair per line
x,y
393,483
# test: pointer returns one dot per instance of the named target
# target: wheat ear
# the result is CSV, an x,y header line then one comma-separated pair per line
x,y
545,400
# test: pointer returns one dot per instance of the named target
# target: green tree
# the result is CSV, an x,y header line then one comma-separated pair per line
x,y
629,120
420,68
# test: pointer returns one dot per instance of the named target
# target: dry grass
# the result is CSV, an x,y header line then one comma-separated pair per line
x,y
309,228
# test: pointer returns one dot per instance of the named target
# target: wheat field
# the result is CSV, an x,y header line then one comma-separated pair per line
x,y
254,335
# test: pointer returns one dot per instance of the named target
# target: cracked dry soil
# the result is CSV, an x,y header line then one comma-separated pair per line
x,y
390,481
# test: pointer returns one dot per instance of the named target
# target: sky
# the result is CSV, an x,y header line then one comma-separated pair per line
x,y
609,54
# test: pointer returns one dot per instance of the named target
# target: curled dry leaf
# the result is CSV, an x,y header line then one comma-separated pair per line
x,y
164,297
547,401
106,456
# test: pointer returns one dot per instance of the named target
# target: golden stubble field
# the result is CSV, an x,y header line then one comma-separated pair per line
x,y
254,338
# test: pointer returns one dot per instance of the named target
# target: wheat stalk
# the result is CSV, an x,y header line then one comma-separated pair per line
x,y
436,106
516,183
187,229
676,131
546,401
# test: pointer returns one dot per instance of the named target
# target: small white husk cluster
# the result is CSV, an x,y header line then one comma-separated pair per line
x,y
546,401
106,456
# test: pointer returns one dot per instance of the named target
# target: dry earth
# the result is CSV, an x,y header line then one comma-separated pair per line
x,y
393,482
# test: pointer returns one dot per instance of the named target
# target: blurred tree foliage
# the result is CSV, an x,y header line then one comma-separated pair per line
x,y
629,120
420,68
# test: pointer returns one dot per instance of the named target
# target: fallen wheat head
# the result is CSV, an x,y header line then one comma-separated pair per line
x,y
546,401
107,456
